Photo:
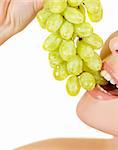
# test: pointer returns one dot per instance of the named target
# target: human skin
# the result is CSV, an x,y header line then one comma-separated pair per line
x,y
72,144
102,114
99,114
15,15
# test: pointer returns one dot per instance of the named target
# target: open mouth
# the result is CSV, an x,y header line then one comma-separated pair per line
x,y
111,87
109,91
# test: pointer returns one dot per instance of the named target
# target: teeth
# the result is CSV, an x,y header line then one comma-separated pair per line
x,y
103,72
112,82
117,86
106,75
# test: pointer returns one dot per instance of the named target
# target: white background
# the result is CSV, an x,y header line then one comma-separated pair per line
x,y
33,106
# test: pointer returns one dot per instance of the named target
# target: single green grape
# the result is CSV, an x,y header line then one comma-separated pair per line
x,y
94,40
46,4
94,63
42,17
75,65
66,30
52,42
99,79
73,15
54,59
67,50
84,29
85,51
77,42
60,72
83,11
74,38
95,17
86,68
54,22
74,3
73,86
92,5
57,6
87,81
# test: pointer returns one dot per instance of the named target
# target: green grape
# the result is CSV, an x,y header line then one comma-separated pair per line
x,y
74,37
94,40
73,86
92,6
52,42
60,72
55,59
77,42
84,29
99,79
85,51
66,30
95,17
75,65
73,15
42,17
67,50
57,6
83,11
86,68
72,44
94,63
54,22
46,4
87,81
74,3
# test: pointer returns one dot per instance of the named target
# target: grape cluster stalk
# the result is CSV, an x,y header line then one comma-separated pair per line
x,y
72,43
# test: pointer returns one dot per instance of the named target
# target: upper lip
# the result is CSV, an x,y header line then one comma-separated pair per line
x,y
109,69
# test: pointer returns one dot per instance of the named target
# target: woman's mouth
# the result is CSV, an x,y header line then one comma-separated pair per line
x,y
110,73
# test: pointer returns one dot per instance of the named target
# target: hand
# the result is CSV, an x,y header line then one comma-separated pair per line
x,y
97,109
15,15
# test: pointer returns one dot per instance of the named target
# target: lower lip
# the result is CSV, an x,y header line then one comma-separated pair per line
x,y
98,92
101,94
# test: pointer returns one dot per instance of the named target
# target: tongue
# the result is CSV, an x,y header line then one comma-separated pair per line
x,y
114,92
111,89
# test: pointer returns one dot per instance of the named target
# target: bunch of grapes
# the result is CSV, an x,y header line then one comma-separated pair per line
x,y
72,43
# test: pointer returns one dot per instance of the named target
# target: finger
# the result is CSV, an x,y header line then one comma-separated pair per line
x,y
3,9
38,4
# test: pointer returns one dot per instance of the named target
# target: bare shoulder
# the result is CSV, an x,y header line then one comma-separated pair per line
x,y
71,144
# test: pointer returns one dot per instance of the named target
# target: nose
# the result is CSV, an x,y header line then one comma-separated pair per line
x,y
106,50
113,44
